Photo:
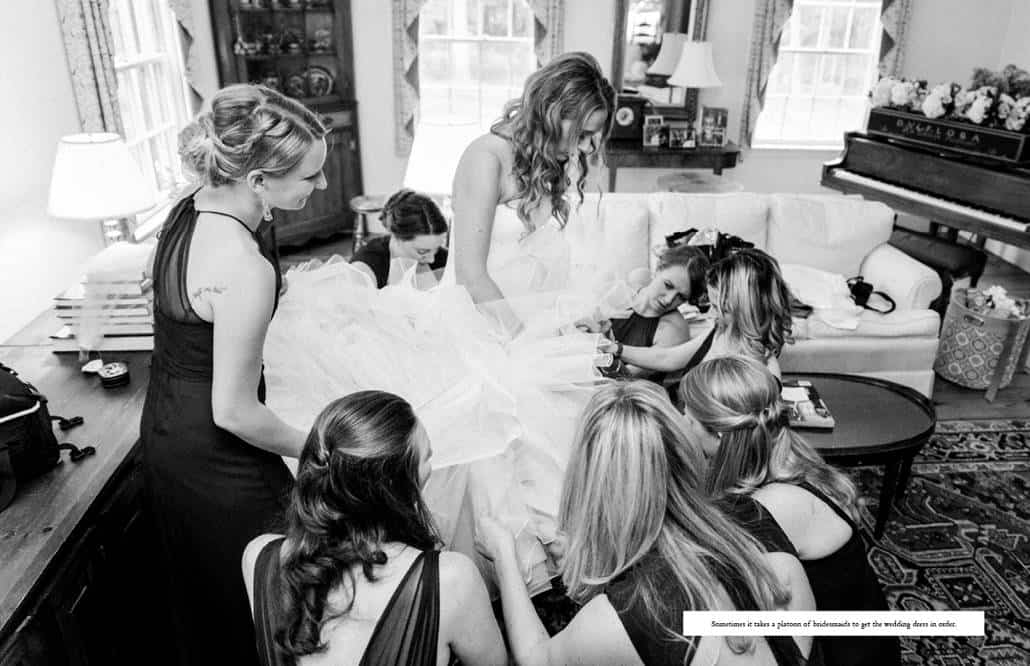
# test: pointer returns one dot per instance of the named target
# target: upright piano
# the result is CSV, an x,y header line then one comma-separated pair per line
x,y
979,197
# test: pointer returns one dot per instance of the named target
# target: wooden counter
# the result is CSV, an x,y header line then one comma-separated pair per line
x,y
77,551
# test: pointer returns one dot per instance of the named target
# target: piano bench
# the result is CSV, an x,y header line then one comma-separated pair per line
x,y
952,260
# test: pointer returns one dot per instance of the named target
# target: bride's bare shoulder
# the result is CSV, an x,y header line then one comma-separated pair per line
x,y
488,148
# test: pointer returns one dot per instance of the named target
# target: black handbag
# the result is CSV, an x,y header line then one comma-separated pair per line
x,y
28,446
862,290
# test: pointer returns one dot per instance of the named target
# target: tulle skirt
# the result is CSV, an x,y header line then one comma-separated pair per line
x,y
500,412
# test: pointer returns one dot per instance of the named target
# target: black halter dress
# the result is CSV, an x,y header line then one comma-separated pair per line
x,y
210,492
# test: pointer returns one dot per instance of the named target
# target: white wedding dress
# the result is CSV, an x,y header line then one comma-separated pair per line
x,y
500,413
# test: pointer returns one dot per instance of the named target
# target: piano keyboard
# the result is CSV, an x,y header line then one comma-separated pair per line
x,y
944,204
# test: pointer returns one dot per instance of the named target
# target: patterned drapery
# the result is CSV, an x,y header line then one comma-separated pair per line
x,y
405,72
771,17
88,49
548,37
548,30
894,15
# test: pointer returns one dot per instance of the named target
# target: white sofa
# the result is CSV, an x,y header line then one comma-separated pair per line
x,y
844,235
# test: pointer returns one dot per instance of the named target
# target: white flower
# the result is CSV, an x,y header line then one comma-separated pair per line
x,y
881,94
977,111
996,291
963,98
1005,104
933,105
1018,114
902,93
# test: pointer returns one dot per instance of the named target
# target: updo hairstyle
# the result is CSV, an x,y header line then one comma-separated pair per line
x,y
248,127
407,214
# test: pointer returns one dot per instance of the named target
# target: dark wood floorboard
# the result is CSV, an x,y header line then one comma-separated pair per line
x,y
952,401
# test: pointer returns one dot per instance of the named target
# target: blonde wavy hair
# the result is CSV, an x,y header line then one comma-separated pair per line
x,y
569,87
248,127
738,398
755,302
634,487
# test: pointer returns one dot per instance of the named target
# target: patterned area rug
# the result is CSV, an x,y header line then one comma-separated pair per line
x,y
958,540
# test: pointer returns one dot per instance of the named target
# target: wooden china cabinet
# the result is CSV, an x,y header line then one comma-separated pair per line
x,y
303,48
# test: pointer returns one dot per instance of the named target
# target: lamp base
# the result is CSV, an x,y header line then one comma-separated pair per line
x,y
116,230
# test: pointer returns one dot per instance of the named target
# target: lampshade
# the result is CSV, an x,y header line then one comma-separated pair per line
x,y
95,178
695,68
668,55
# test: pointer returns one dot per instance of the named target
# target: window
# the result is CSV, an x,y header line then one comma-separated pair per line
x,y
827,64
152,91
474,55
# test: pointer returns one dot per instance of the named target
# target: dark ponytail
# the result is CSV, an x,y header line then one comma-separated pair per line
x,y
357,489
407,214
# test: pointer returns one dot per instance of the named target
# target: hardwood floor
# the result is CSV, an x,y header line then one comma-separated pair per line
x,y
952,401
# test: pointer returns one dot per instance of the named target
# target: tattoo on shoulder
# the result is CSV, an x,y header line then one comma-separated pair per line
x,y
206,291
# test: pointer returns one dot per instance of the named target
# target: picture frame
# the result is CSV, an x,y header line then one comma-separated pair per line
x,y
681,135
652,135
713,126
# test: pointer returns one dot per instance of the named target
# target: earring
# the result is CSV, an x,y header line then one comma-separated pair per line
x,y
266,211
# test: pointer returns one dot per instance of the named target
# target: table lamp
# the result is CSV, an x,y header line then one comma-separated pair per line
x,y
695,69
96,178
665,64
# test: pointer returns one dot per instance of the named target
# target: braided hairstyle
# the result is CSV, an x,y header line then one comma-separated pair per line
x,y
248,127
407,214
738,398
357,489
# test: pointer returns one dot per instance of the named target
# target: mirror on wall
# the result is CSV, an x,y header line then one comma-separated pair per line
x,y
639,27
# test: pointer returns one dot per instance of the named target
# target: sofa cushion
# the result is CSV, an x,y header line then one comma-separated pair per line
x,y
898,324
742,214
829,232
607,234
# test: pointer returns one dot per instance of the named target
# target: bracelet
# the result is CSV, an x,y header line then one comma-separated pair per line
x,y
618,351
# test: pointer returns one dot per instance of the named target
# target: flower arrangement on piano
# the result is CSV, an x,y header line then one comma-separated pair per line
x,y
988,119
993,99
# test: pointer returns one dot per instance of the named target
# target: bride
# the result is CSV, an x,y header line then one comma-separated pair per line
x,y
490,357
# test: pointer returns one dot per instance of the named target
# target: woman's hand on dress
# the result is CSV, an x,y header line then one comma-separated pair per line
x,y
493,538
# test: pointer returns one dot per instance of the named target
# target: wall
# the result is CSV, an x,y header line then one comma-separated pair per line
x,y
39,257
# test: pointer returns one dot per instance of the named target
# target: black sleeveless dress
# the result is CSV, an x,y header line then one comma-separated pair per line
x,y
210,492
406,634
845,581
637,331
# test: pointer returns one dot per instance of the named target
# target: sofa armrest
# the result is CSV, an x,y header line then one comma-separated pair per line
x,y
912,284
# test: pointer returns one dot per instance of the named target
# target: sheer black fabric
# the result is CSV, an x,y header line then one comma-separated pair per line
x,y
209,491
845,581
653,645
406,633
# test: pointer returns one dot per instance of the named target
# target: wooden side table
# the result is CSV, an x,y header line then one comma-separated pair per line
x,y
632,154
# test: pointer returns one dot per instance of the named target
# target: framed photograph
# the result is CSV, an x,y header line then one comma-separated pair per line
x,y
653,126
681,134
713,126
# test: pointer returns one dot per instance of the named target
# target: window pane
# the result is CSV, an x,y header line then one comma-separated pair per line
x,y
806,66
495,18
434,62
522,23
771,118
780,78
831,75
864,27
838,20
857,74
797,119
852,114
824,119
434,18
471,22
809,20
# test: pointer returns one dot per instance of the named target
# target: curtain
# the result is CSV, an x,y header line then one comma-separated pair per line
x,y
894,15
548,28
88,49
405,72
770,18
183,11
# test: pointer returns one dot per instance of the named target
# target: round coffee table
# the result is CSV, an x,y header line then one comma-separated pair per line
x,y
878,422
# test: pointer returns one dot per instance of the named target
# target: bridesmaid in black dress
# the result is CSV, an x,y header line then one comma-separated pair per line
x,y
733,408
211,449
